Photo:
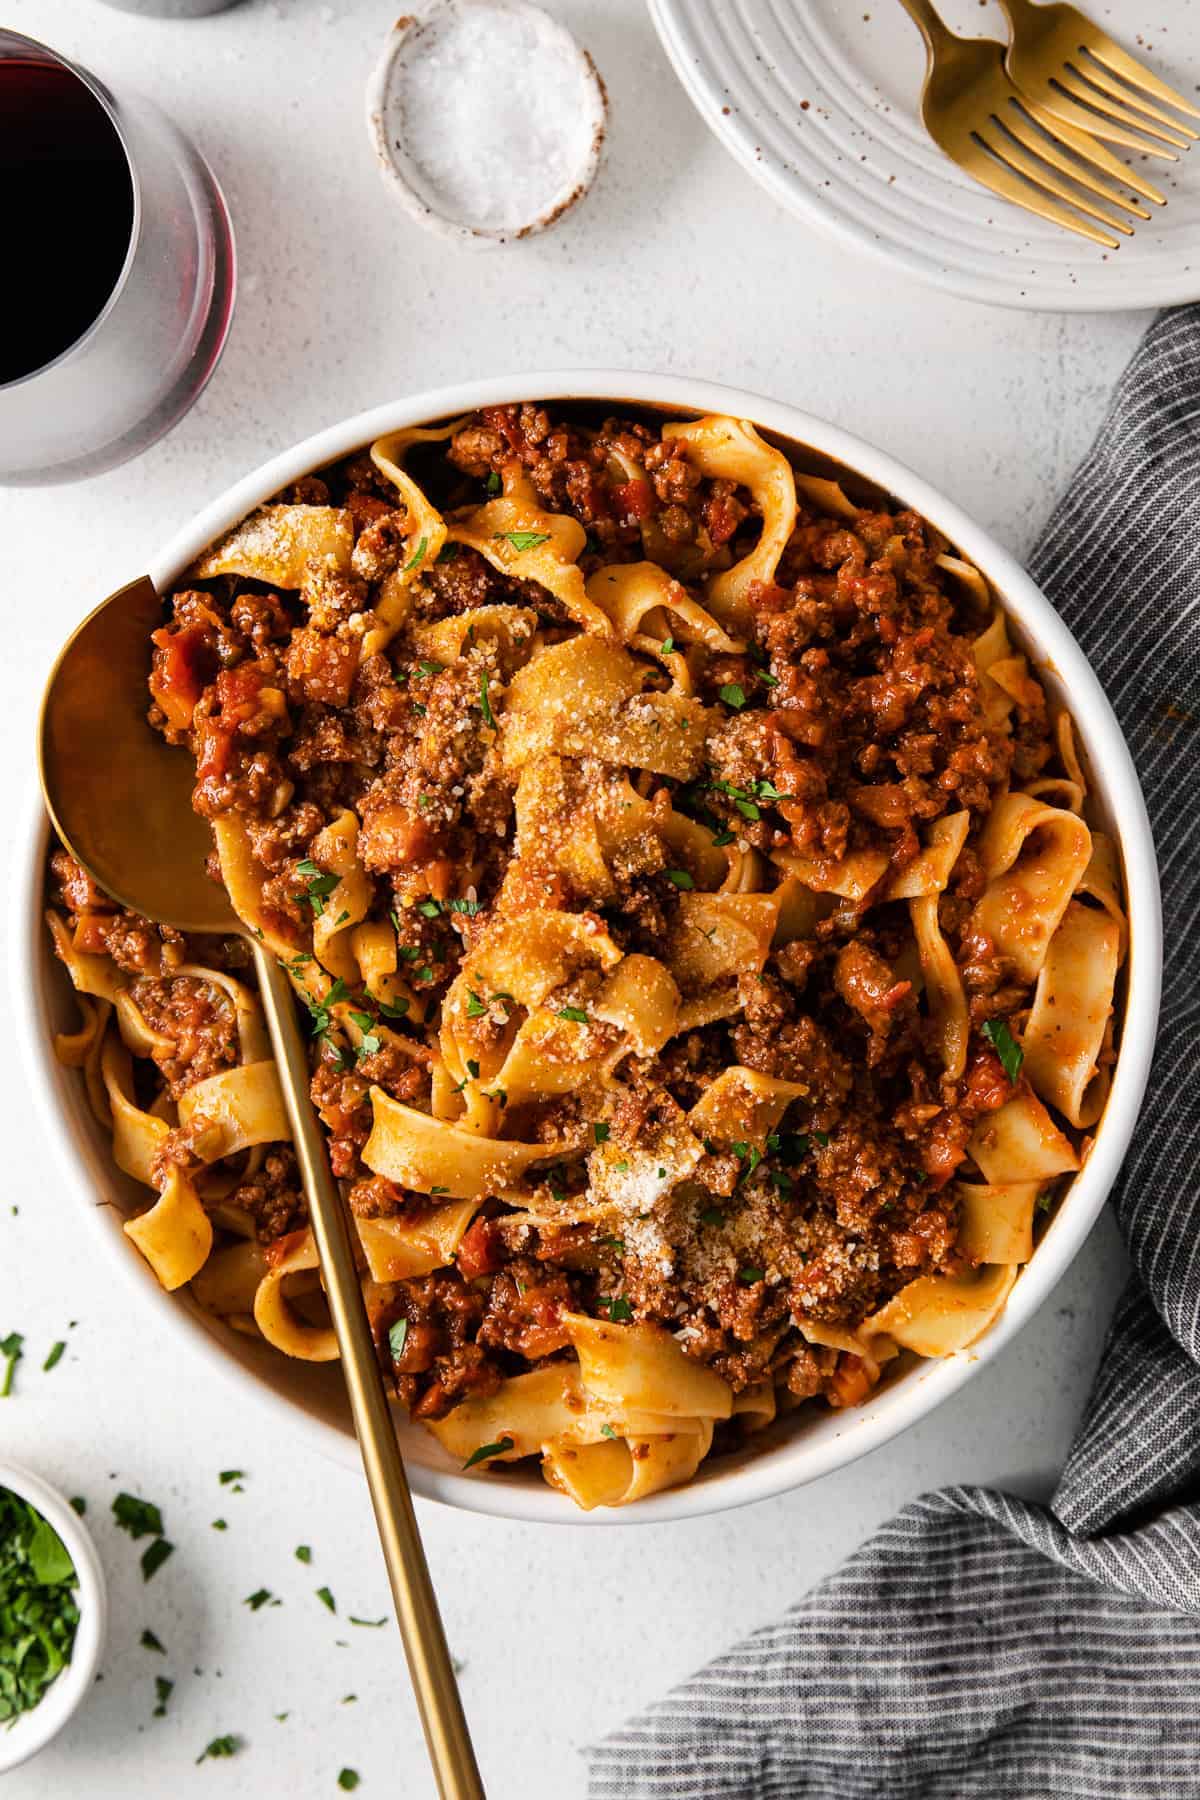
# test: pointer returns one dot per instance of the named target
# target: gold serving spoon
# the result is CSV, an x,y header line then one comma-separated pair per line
x,y
120,800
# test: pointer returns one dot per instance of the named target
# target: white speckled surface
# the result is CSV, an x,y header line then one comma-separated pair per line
x,y
675,260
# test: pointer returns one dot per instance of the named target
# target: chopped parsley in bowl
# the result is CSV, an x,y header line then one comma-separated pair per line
x,y
52,1613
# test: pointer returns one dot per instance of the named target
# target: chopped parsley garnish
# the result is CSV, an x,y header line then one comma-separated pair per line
x,y
140,1518
327,1599
733,695
575,1014
493,483
229,1745
11,1351
485,705
750,1276
1006,1047
524,540
151,1642
317,885
681,879
486,1452
163,1689
56,1354
155,1556
417,556
397,1337
38,1614
600,1132
303,1553
607,1431
348,1779
392,1009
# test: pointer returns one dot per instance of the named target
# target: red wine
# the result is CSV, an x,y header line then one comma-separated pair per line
x,y
67,208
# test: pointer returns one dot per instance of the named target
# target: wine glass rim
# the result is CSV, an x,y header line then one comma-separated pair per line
x,y
102,97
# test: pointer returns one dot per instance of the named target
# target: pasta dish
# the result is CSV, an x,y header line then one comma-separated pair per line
x,y
709,962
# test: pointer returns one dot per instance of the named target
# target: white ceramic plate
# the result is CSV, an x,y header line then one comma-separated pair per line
x,y
820,100
811,1442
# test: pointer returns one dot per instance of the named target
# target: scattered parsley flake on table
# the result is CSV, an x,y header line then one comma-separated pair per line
x,y
11,1351
229,1745
140,1518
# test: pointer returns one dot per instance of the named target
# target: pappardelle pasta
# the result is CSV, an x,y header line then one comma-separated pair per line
x,y
710,965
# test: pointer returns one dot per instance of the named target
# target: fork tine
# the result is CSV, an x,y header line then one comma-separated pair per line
x,y
1040,173
1086,148
994,173
1042,143
1120,61
1095,124
1073,83
1098,75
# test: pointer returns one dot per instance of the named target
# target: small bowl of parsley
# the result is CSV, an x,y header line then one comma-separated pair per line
x,y
52,1613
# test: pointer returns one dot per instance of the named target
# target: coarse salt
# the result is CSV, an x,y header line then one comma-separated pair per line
x,y
490,114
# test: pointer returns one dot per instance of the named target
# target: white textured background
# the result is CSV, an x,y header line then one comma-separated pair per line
x,y
675,261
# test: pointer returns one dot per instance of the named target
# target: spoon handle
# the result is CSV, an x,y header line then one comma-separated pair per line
x,y
429,1665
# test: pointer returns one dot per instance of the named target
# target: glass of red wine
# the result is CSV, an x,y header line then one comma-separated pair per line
x,y
121,270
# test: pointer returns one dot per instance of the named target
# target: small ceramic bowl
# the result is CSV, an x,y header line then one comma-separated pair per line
x,y
456,133
31,1731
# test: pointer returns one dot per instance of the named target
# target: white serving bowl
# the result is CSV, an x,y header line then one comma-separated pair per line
x,y
809,1443
32,1731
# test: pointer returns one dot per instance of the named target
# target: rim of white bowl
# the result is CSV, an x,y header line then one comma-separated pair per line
x,y
32,1731
392,161
790,1461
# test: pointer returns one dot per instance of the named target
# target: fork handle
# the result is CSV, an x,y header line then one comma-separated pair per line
x,y
937,34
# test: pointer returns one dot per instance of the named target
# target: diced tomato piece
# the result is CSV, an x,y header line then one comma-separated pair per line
x,y
480,1251
184,663
635,499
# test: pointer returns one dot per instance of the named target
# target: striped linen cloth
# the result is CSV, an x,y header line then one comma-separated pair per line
x,y
980,1645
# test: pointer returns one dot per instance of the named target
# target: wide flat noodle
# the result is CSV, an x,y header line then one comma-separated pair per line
x,y
1021,1142
235,1109
281,545
1033,856
415,1243
519,538
427,1154
937,1315
277,1319
585,697
1072,1006
425,529
728,449
175,1236
945,999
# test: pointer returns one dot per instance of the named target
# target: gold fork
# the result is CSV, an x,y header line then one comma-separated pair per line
x,y
1060,59
1013,144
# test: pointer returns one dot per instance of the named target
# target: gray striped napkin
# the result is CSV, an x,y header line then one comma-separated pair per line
x,y
980,1645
